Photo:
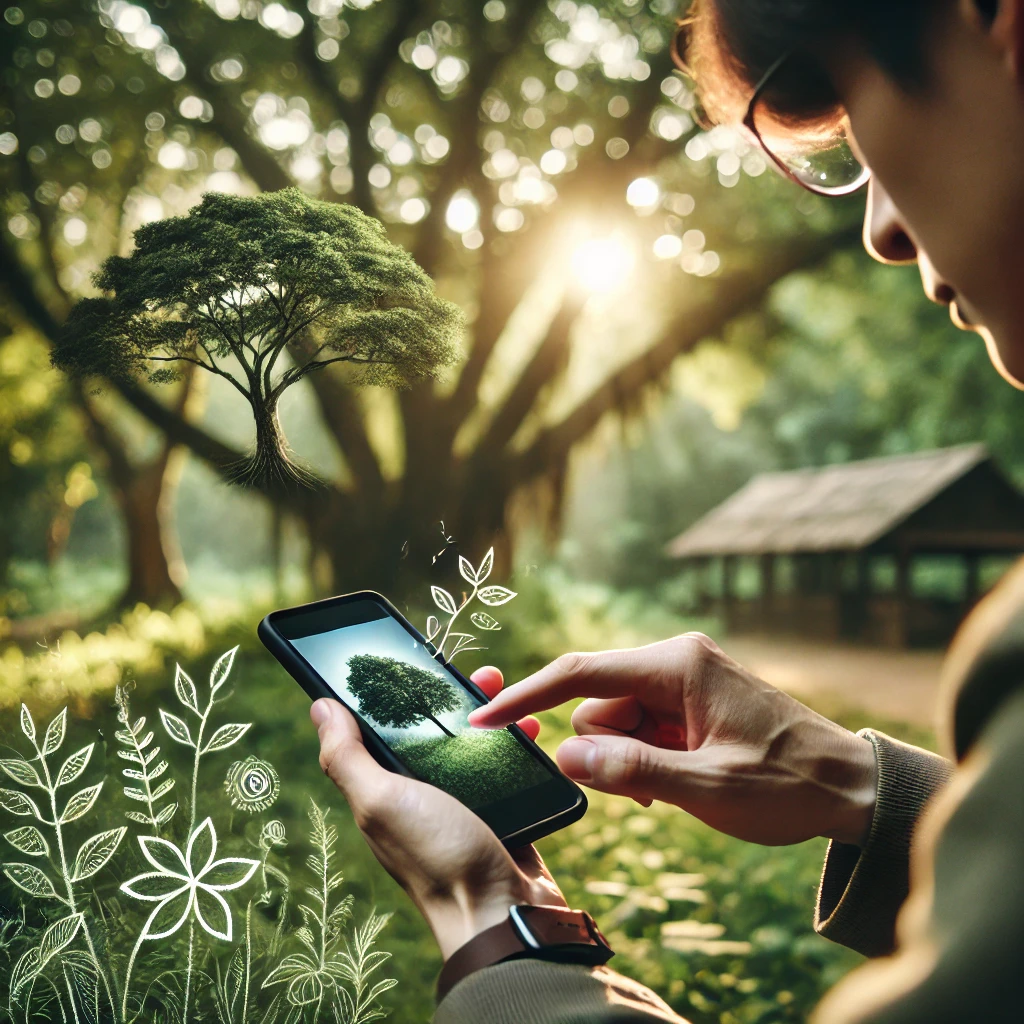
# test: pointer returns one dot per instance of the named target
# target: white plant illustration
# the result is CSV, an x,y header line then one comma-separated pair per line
x,y
82,985
208,959
316,979
493,596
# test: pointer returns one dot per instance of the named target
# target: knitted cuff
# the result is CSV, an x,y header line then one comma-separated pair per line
x,y
862,890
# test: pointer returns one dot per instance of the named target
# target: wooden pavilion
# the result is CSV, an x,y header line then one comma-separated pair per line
x,y
885,551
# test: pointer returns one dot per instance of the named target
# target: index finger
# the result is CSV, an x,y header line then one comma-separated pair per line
x,y
605,674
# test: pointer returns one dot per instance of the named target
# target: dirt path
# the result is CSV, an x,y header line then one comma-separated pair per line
x,y
900,685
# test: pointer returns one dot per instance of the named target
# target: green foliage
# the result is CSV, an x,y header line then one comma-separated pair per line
x,y
397,694
262,291
475,767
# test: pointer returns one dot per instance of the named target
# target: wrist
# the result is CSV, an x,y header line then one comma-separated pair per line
x,y
853,774
461,915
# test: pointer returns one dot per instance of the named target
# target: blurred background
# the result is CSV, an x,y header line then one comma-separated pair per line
x,y
653,319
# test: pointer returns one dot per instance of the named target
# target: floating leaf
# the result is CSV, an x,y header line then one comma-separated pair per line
x,y
176,728
28,727
494,596
466,570
226,736
485,566
28,839
433,627
17,803
95,852
32,880
81,803
443,600
484,621
74,765
222,669
21,771
185,689
55,732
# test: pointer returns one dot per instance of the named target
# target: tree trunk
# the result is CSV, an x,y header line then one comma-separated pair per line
x,y
270,467
440,726
156,569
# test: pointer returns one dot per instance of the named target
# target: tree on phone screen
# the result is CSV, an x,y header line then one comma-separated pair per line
x,y
399,695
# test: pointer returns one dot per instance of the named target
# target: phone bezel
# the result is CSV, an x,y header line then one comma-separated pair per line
x,y
315,687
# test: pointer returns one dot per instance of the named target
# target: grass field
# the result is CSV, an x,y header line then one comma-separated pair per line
x,y
475,767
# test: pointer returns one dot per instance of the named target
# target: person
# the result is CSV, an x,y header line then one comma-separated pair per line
x,y
925,868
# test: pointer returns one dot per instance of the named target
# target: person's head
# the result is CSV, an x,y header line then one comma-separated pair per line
x,y
932,92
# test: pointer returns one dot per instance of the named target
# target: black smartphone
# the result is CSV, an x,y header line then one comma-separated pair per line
x,y
412,708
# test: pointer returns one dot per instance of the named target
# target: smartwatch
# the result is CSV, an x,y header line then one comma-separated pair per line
x,y
555,934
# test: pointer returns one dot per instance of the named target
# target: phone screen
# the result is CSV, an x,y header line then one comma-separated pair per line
x,y
418,708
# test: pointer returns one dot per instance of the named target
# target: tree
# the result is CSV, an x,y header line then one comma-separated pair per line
x,y
396,694
262,291
480,133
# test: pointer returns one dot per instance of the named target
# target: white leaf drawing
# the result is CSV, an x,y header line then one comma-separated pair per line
x,y
222,669
74,765
485,566
166,814
21,771
28,726
141,819
162,790
443,600
185,689
226,736
32,880
176,728
466,570
495,596
28,839
81,803
59,936
55,732
433,627
25,970
484,621
17,803
133,793
95,852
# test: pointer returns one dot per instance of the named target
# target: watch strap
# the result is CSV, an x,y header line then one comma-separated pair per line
x,y
505,941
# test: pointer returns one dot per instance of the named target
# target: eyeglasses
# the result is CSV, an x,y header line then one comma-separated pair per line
x,y
824,164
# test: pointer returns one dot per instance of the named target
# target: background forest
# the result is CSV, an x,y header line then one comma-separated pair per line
x,y
651,318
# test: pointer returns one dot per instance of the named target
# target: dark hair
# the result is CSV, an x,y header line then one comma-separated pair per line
x,y
728,45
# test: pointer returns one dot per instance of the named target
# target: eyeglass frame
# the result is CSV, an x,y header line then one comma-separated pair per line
x,y
750,124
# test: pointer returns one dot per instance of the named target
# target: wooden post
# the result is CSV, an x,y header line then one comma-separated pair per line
x,y
904,565
972,577
728,579
767,594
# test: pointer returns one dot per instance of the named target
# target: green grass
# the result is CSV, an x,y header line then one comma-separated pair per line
x,y
475,767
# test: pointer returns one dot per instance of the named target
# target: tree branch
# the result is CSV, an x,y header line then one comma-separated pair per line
x,y
737,293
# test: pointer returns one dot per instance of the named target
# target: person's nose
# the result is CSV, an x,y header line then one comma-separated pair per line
x,y
885,236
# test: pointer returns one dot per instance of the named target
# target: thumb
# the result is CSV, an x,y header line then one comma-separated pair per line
x,y
343,756
625,766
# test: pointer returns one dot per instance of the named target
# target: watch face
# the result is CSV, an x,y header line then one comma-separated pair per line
x,y
556,926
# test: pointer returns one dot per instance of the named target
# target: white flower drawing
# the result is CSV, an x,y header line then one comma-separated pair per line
x,y
187,882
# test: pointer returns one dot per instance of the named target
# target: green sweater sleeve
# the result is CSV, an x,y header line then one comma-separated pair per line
x,y
961,932
862,891
534,992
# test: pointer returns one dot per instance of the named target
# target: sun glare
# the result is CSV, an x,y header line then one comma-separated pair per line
x,y
602,265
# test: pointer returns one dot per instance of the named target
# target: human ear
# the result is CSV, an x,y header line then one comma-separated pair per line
x,y
1002,21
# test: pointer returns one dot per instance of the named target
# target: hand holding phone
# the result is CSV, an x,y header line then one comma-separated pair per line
x,y
412,710
461,878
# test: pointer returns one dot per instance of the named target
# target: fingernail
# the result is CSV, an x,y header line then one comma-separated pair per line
x,y
478,719
576,758
320,712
